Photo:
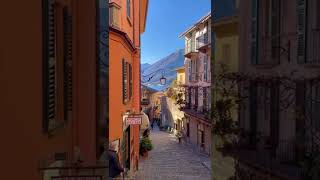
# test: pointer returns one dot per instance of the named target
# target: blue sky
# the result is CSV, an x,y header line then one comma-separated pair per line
x,y
166,20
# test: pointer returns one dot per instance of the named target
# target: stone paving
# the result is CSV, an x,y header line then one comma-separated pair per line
x,y
171,160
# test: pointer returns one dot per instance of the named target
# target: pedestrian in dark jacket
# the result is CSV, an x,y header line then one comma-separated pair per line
x,y
115,168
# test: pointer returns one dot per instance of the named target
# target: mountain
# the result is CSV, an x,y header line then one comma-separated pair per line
x,y
144,66
168,65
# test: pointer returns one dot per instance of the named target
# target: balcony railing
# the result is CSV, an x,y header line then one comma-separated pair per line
x,y
194,77
202,41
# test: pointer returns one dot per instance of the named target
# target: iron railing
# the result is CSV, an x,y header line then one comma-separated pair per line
x,y
202,41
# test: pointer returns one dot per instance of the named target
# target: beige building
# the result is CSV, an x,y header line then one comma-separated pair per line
x,y
197,125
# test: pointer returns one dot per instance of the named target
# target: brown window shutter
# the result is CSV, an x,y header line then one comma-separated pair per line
x,y
49,64
67,34
124,82
301,35
130,81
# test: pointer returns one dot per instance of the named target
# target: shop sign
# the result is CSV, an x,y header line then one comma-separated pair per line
x,y
76,178
133,120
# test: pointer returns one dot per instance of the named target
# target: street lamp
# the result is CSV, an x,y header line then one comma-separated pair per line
x,y
163,80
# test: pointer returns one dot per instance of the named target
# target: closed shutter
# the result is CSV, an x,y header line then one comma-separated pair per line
x,y
124,82
275,29
130,81
67,18
254,30
301,31
49,64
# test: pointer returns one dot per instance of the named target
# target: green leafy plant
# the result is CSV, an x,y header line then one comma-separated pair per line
x,y
145,145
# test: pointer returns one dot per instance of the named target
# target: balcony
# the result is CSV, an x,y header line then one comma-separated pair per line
x,y
202,43
114,16
194,77
190,49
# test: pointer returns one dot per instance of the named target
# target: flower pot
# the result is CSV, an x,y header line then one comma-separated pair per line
x,y
145,154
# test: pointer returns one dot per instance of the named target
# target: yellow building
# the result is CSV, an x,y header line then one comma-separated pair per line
x,y
181,75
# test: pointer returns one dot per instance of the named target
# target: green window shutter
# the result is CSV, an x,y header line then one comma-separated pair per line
x,y
301,30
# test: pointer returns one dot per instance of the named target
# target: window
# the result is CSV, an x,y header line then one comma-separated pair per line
x,y
205,100
275,29
254,30
130,81
205,64
190,70
124,82
57,65
129,8
127,82
308,34
114,16
301,11
200,140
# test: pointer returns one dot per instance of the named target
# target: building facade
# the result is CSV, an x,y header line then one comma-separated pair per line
x,y
50,95
279,40
197,83
127,20
225,61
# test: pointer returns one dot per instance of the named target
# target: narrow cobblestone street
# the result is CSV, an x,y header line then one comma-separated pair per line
x,y
170,160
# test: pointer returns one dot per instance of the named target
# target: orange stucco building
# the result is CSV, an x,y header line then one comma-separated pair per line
x,y
51,108
127,19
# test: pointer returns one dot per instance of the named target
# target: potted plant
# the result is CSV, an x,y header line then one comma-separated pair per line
x,y
145,146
